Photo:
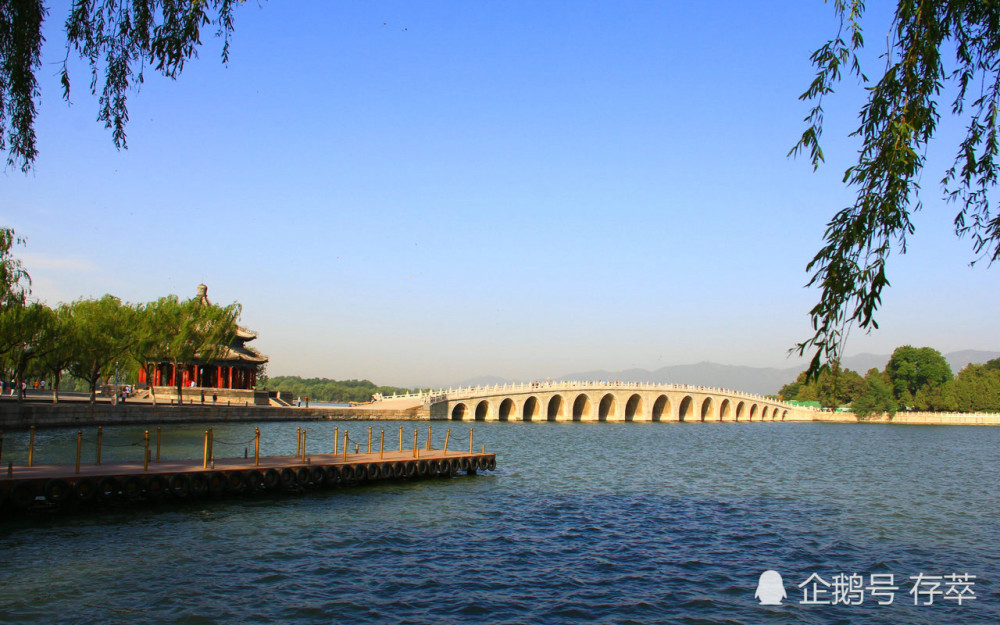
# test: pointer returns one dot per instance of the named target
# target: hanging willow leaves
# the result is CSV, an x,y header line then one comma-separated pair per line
x,y
897,122
119,39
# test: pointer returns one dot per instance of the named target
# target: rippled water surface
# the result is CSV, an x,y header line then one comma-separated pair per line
x,y
602,523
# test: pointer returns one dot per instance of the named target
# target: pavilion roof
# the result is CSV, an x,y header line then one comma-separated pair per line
x,y
243,333
241,354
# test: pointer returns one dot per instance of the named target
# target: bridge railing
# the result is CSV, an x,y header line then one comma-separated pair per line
x,y
550,385
419,395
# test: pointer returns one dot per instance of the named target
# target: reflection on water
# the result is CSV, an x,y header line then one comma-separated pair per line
x,y
581,522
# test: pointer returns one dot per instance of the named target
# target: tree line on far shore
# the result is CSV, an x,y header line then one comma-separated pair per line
x,y
915,378
93,339
334,391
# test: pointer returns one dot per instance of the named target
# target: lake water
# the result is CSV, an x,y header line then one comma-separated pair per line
x,y
597,523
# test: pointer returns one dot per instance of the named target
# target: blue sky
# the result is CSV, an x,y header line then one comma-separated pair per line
x,y
424,192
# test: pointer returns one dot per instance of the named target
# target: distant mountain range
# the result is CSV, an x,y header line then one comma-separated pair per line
x,y
762,380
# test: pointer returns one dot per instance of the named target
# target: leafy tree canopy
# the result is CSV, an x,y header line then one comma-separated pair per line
x,y
877,396
101,332
976,388
833,387
15,282
323,389
933,45
914,378
119,39
915,369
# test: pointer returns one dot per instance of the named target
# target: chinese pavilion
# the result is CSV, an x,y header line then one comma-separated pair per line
x,y
235,368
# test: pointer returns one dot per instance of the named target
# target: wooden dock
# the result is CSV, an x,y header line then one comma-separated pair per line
x,y
72,487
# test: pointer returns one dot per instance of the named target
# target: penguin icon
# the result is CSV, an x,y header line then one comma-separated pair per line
x,y
770,589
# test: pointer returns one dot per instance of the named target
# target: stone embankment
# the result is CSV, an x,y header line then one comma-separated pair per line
x,y
914,418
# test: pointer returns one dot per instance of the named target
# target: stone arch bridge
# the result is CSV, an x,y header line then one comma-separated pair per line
x,y
602,401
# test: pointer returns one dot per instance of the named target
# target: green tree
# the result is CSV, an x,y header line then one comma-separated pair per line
x,y
262,379
876,397
837,386
832,387
897,122
119,39
791,390
20,322
198,332
976,388
102,331
23,329
155,325
58,354
15,283
914,370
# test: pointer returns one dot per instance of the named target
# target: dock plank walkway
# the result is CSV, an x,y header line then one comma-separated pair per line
x,y
68,471
61,485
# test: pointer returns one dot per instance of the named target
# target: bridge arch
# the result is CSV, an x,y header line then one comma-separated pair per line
x,y
608,408
507,409
686,412
725,410
706,409
482,410
740,410
583,408
458,412
661,409
633,407
764,414
753,412
531,409
556,410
